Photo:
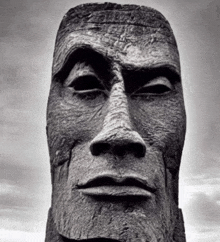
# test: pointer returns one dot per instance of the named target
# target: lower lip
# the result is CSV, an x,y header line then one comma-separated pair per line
x,y
118,191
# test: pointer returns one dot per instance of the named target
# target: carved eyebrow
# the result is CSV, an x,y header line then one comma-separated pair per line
x,y
157,70
99,62
136,77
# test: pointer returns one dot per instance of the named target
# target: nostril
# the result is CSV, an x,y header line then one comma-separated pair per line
x,y
98,147
137,149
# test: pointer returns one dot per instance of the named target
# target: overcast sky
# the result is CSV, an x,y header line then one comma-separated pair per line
x,y
27,40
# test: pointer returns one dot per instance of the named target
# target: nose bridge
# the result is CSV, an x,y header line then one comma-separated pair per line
x,y
117,134
117,116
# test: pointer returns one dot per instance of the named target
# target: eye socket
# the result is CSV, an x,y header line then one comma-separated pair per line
x,y
85,84
157,86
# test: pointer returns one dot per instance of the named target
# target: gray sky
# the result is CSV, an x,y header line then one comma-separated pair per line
x,y
27,41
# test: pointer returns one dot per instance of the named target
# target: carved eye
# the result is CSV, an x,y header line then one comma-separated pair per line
x,y
85,84
157,86
83,81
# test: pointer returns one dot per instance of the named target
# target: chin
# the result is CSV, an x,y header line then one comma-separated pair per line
x,y
119,218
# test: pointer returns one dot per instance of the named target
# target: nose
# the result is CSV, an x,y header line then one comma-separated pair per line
x,y
117,135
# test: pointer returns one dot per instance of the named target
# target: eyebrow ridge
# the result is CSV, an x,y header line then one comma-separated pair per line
x,y
153,72
96,59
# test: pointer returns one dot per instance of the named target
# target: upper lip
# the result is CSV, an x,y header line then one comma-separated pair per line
x,y
112,180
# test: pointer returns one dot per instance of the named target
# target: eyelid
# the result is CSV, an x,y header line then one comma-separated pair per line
x,y
79,70
158,81
70,82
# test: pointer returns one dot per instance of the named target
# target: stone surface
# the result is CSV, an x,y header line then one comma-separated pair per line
x,y
115,127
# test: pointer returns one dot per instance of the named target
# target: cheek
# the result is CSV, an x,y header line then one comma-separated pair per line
x,y
160,122
70,121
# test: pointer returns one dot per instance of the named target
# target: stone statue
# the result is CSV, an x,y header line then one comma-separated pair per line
x,y
116,127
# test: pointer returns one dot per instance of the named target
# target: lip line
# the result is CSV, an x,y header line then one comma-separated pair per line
x,y
113,180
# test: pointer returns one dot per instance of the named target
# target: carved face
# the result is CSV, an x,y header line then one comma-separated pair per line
x,y
116,127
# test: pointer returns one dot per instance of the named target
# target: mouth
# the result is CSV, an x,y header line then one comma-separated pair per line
x,y
116,187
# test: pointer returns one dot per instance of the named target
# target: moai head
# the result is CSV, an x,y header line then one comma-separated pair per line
x,y
115,126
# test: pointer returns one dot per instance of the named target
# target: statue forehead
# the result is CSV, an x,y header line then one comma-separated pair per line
x,y
86,16
114,27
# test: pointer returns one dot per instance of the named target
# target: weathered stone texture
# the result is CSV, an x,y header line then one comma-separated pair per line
x,y
115,127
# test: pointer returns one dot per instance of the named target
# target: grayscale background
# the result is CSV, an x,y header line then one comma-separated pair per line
x,y
27,40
